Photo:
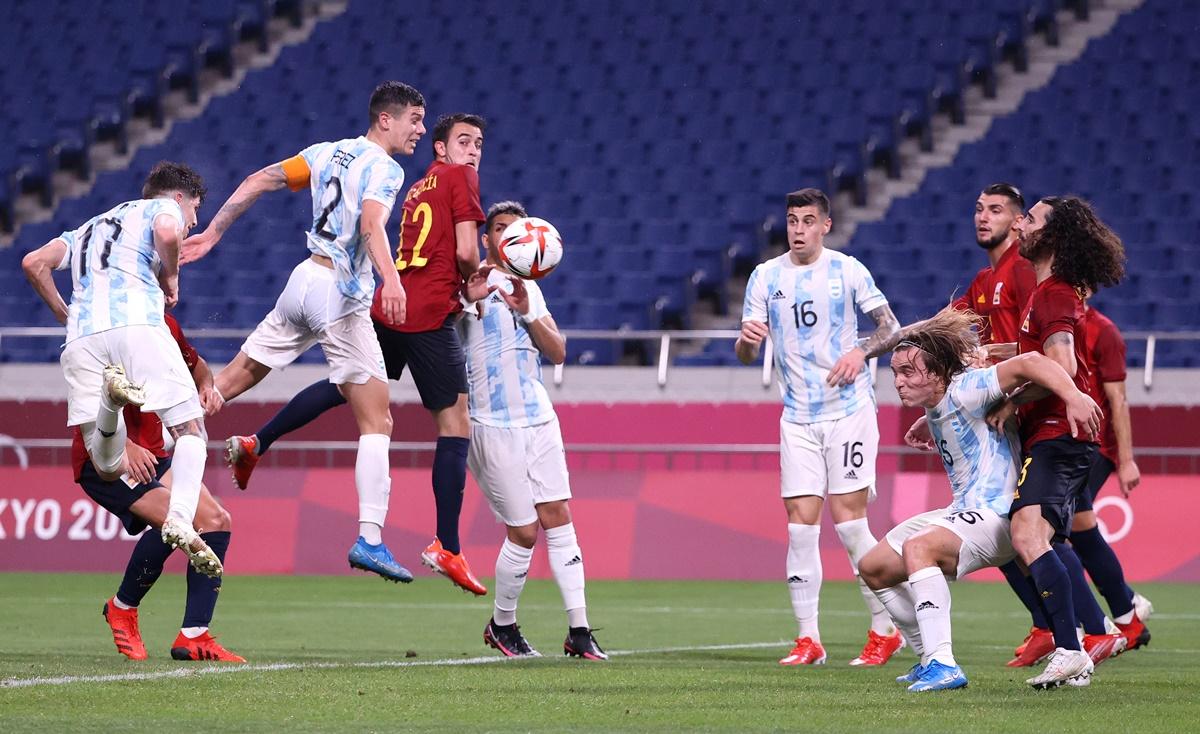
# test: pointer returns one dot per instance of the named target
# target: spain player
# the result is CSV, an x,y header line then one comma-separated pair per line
x,y
138,493
354,184
516,453
124,270
1073,254
909,569
438,248
806,301
1105,349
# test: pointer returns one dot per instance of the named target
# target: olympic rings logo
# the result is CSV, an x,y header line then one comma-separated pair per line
x,y
1113,536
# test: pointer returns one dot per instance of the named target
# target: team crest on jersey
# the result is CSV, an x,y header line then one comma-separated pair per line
x,y
835,287
996,295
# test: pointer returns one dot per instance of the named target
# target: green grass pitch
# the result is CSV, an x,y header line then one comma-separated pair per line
x,y
357,654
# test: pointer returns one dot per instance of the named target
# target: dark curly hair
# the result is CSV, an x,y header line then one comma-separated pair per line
x,y
1087,254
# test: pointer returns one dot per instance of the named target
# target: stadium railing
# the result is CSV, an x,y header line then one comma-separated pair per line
x,y
664,338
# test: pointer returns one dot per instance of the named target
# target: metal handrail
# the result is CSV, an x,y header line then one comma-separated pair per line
x,y
662,336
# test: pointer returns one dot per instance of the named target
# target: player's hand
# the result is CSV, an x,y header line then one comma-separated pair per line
x,y
170,288
476,288
979,358
919,436
394,302
197,246
518,300
211,400
846,369
1084,417
1128,477
754,332
1000,413
141,463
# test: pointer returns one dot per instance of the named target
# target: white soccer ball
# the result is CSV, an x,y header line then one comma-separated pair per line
x,y
531,247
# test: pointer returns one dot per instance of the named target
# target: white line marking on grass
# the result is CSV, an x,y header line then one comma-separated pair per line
x,y
273,667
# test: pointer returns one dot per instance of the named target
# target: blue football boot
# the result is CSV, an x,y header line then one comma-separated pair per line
x,y
938,677
912,675
378,559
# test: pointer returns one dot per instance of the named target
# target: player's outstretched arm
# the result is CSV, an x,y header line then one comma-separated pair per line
x,y
38,266
749,342
542,329
1083,414
884,339
1128,474
374,237
210,397
271,178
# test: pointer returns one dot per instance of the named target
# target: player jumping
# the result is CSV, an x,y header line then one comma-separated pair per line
x,y
354,184
806,301
931,371
517,454
124,269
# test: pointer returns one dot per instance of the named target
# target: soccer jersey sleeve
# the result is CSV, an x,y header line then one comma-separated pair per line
x,y
1022,281
164,207
190,356
382,182
867,295
754,307
1060,310
1109,354
464,196
970,300
977,391
71,238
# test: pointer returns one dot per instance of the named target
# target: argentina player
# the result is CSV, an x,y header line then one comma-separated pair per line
x,y
931,371
806,301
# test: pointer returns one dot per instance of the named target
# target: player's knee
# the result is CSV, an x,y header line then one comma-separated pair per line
x,y
524,536
1083,521
872,570
212,517
553,514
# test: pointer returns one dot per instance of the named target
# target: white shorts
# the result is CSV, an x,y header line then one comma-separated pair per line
x,y
986,538
301,318
150,356
518,468
829,457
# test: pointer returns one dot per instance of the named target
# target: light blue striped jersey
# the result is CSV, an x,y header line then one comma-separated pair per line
x,y
343,175
981,463
504,367
114,267
811,312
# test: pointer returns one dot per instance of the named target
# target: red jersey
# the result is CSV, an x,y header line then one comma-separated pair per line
x,y
144,429
999,295
427,254
1106,361
1053,307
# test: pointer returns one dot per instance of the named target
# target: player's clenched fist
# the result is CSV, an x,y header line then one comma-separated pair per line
x,y
753,332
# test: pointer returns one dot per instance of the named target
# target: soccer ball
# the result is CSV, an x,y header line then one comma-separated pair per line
x,y
531,247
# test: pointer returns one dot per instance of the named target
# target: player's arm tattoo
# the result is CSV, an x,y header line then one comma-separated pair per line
x,y
886,335
271,178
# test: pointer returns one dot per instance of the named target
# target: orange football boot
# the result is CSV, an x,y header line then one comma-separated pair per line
x,y
453,566
241,454
1136,633
1102,647
879,648
124,626
806,652
1038,644
204,647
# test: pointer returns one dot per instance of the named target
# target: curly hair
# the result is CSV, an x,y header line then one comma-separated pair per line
x,y
947,340
1087,254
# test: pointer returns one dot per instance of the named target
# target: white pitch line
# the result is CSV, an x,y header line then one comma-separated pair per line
x,y
272,667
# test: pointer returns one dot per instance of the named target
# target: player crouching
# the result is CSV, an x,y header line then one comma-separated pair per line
x,y
931,370
138,492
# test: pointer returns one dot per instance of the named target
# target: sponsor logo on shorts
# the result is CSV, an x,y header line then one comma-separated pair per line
x,y
850,475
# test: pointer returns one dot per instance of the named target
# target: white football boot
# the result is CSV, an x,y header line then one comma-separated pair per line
x,y
120,390
1073,667
181,536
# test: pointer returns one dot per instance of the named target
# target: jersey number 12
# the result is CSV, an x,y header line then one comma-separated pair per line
x,y
423,216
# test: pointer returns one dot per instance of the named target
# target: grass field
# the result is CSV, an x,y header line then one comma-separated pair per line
x,y
356,654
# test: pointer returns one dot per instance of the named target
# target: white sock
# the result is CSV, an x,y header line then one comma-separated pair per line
x,y
106,451
122,605
566,563
193,632
374,483
804,574
512,567
1125,618
899,604
931,593
858,541
187,467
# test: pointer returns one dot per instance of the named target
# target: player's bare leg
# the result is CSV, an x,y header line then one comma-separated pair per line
x,y
241,374
804,577
187,466
449,476
849,513
372,477
884,572
930,557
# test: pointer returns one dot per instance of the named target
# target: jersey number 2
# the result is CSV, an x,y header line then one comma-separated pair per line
x,y
331,198
422,215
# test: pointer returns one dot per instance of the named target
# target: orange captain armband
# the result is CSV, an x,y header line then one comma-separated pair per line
x,y
297,172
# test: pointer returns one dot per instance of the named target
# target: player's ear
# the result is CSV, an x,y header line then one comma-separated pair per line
x,y
827,225
439,149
